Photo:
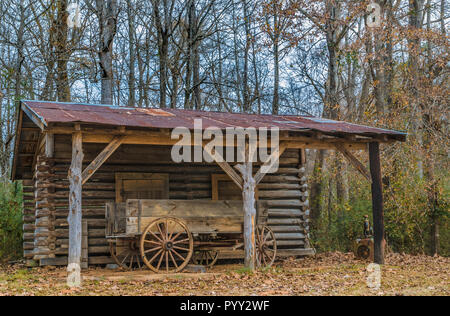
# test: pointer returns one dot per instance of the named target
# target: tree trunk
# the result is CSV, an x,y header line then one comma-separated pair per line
x,y
245,88
276,87
131,48
20,57
163,57
62,53
107,13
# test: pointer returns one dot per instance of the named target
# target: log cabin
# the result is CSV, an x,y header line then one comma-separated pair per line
x,y
72,155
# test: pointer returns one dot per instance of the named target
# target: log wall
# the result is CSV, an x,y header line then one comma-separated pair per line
x,y
46,198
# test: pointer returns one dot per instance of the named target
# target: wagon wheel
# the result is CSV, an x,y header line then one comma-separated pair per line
x,y
205,257
266,246
126,254
363,252
166,245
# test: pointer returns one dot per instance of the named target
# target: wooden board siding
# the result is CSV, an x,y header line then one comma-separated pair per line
x,y
285,193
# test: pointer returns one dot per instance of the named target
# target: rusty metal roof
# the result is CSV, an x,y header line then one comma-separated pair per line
x,y
56,112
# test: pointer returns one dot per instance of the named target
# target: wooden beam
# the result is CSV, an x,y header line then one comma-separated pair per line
x,y
34,117
248,195
49,145
101,158
39,149
163,138
227,169
75,212
354,161
273,159
377,202
231,173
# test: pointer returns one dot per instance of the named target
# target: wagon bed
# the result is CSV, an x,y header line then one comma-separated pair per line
x,y
199,229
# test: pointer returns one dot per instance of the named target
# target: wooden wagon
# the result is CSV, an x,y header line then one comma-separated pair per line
x,y
165,235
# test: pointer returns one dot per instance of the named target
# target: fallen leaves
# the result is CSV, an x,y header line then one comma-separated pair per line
x,y
323,274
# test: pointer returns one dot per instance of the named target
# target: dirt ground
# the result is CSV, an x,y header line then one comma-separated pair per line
x,y
324,274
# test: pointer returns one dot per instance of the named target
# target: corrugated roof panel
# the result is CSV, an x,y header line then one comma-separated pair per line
x,y
54,112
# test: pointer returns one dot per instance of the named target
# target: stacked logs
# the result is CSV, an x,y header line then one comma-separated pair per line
x,y
286,193
29,218
44,232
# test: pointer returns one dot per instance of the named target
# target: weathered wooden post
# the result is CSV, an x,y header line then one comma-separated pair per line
x,y
248,194
75,214
377,202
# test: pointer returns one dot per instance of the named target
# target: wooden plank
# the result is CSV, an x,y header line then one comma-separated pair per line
x,y
289,236
75,215
377,202
286,229
184,209
296,252
201,216
281,243
102,157
285,213
281,194
271,162
354,161
284,221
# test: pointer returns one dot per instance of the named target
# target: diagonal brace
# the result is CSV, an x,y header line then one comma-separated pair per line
x,y
273,159
102,157
354,161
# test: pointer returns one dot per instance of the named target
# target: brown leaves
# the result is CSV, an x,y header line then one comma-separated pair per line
x,y
324,274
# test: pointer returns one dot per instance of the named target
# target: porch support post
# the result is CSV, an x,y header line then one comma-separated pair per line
x,y
75,213
248,194
377,202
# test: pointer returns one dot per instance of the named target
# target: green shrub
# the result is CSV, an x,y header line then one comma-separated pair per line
x,y
10,221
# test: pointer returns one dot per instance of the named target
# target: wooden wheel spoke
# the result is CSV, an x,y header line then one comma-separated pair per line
x,y
125,258
160,231
181,241
173,259
160,260
131,261
167,229
152,249
154,257
176,236
152,242
178,255
154,235
169,249
167,261
267,236
179,248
